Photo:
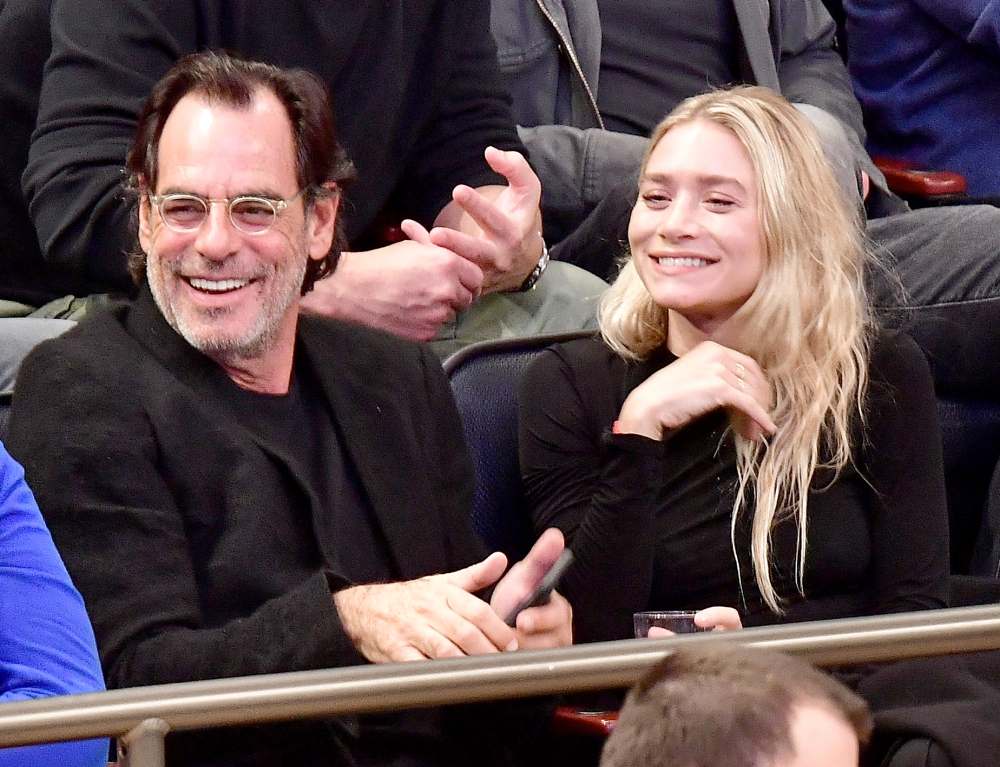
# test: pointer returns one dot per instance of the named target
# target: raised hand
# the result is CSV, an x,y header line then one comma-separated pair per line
x,y
708,377
497,227
408,288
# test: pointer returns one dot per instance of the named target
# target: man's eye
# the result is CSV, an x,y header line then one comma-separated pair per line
x,y
253,210
183,209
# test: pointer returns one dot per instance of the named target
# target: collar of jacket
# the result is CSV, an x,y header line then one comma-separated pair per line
x,y
364,403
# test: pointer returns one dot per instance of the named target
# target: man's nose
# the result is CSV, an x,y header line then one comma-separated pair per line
x,y
217,237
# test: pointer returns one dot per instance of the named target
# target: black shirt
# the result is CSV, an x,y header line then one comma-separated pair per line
x,y
654,55
649,521
301,424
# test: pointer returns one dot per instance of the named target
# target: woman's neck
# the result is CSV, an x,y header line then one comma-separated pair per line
x,y
684,333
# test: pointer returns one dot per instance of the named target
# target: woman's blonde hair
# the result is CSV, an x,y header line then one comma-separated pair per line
x,y
807,323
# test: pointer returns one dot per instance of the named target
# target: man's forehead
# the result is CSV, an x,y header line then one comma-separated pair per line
x,y
210,138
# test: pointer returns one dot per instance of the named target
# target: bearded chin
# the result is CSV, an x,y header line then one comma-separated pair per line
x,y
204,329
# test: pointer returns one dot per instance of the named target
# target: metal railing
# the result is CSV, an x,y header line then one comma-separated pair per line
x,y
141,717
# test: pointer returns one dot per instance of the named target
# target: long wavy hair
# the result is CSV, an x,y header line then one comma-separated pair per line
x,y
807,324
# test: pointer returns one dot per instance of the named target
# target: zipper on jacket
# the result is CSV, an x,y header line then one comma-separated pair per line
x,y
571,53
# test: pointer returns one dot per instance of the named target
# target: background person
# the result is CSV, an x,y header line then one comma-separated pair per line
x,y
418,103
591,78
734,707
933,96
46,642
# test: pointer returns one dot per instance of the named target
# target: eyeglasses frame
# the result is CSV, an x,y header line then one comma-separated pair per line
x,y
279,204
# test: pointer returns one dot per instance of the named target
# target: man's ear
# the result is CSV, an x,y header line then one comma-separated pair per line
x,y
322,222
145,223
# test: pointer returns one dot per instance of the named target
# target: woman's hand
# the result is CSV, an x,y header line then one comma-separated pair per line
x,y
718,619
708,377
710,619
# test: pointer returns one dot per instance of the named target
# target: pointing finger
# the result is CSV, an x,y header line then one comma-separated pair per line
x,y
513,167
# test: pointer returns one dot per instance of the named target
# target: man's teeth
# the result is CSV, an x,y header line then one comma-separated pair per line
x,y
217,286
670,261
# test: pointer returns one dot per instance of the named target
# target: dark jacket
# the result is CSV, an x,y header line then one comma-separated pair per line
x,y
158,500
416,97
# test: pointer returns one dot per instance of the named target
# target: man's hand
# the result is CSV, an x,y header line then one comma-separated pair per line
x,y
432,617
497,227
548,625
408,288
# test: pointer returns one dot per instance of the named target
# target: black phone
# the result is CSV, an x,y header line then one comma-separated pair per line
x,y
544,588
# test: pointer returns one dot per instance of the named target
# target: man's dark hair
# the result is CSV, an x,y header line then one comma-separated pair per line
x,y
231,81
724,707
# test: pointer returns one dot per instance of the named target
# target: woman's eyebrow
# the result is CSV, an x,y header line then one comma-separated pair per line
x,y
703,179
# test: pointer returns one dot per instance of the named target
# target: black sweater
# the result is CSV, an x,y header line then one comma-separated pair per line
x,y
416,98
649,522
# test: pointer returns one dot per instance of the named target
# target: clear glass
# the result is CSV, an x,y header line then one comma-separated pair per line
x,y
677,621
185,212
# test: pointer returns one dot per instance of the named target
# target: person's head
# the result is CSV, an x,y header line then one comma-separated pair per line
x,y
237,172
738,707
741,234
736,183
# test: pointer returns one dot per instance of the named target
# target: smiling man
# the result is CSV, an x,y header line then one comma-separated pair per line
x,y
240,489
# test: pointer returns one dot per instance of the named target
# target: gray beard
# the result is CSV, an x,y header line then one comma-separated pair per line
x,y
251,345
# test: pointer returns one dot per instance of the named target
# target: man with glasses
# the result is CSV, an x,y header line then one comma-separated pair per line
x,y
221,472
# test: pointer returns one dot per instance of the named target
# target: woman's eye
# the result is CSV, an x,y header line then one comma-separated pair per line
x,y
720,202
655,198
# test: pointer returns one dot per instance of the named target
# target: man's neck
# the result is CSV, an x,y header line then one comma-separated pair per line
x,y
269,372
255,376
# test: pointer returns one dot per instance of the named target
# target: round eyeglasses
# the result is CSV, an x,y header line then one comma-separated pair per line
x,y
185,212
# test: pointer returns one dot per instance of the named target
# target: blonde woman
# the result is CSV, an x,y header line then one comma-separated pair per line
x,y
742,437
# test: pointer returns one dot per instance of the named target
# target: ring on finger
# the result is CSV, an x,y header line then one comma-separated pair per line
x,y
740,371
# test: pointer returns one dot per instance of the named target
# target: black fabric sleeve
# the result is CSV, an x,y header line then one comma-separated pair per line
x,y
94,86
473,113
93,461
598,488
903,461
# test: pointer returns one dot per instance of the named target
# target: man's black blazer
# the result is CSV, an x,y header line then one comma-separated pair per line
x,y
158,498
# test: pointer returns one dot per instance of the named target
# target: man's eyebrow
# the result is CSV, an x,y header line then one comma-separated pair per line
x,y
703,180
271,194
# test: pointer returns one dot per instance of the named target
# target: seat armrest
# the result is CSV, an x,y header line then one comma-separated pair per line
x,y
570,721
907,181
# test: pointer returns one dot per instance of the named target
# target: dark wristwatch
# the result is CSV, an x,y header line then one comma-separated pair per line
x,y
536,273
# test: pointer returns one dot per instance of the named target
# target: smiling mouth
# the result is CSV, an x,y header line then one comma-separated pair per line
x,y
216,286
689,262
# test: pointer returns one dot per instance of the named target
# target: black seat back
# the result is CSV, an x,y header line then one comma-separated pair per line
x,y
484,379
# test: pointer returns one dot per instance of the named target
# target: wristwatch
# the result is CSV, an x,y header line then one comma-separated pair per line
x,y
536,273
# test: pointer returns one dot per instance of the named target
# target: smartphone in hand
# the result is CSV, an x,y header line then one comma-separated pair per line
x,y
543,590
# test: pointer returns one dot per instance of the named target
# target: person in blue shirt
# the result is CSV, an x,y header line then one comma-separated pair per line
x,y
47,646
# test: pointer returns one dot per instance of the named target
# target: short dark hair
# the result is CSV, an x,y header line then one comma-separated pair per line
x,y
232,81
724,706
